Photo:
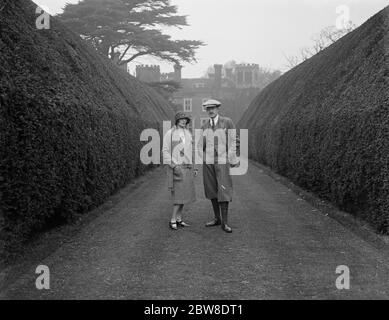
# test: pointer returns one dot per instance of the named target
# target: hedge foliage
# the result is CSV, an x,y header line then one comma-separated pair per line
x,y
70,123
325,123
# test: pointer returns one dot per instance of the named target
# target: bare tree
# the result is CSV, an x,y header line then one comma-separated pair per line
x,y
322,40
292,61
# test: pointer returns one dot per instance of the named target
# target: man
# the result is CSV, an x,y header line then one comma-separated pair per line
x,y
217,178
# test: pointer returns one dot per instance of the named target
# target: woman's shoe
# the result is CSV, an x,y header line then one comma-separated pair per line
x,y
173,225
182,224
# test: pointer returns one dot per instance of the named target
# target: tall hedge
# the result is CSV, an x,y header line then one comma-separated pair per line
x,y
325,123
70,123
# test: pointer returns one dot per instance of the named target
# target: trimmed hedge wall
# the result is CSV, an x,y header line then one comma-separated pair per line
x,y
325,123
70,123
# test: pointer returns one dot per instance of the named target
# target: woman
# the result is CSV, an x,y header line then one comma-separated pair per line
x,y
178,156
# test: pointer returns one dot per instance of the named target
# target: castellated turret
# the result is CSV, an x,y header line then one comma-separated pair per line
x,y
148,73
246,75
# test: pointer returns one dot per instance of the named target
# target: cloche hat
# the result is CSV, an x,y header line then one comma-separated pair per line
x,y
182,115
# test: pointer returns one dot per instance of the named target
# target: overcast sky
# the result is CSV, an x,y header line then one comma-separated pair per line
x,y
253,31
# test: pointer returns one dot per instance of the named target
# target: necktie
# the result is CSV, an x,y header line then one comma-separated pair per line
x,y
213,124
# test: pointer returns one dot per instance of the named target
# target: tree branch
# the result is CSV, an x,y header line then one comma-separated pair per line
x,y
139,54
124,53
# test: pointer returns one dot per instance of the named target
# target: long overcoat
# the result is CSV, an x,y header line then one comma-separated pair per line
x,y
216,176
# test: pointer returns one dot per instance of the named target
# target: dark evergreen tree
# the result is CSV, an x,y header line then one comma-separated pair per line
x,y
131,27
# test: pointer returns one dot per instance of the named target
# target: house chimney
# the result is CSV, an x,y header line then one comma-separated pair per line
x,y
218,76
177,72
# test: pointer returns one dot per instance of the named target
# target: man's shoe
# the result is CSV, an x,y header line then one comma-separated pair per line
x,y
226,228
182,224
213,223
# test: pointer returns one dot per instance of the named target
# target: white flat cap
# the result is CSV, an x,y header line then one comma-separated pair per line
x,y
211,103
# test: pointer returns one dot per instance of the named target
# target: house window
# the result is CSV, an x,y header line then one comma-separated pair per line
x,y
188,105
